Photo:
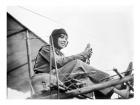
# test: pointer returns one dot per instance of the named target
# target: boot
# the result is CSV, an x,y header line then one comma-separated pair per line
x,y
129,69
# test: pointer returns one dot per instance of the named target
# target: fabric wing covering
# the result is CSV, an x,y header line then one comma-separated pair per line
x,y
17,64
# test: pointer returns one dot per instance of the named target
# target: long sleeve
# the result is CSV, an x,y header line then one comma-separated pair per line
x,y
59,57
64,60
45,53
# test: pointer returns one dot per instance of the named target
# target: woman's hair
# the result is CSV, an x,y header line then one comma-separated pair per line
x,y
55,35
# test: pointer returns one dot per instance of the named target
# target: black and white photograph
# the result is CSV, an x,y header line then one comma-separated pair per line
x,y
70,52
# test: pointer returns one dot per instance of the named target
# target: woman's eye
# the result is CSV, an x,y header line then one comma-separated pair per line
x,y
62,36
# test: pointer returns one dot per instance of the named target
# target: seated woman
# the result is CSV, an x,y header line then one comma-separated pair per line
x,y
67,66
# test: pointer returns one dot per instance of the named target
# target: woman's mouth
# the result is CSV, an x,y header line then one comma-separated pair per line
x,y
63,44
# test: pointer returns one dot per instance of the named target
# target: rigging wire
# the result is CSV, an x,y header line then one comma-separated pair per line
x,y
48,18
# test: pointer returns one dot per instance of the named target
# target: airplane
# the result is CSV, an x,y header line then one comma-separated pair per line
x,y
22,48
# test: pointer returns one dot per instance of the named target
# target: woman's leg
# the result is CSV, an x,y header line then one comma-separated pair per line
x,y
94,76
77,66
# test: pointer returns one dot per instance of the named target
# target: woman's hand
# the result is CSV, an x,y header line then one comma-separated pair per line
x,y
87,52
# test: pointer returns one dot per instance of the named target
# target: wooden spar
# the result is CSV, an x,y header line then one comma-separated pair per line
x,y
127,83
84,90
56,70
29,61
50,66
99,86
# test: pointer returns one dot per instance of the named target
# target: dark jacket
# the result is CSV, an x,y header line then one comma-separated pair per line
x,y
42,63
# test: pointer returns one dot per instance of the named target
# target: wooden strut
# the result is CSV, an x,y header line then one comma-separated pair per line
x,y
29,59
50,67
84,90
56,69
99,86
117,72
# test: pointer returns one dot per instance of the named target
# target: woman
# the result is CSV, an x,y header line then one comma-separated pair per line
x,y
68,66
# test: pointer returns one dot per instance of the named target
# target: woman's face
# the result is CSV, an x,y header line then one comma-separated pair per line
x,y
62,41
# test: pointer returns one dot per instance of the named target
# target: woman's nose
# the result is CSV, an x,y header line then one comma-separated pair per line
x,y
64,40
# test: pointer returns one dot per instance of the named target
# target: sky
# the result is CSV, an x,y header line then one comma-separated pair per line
x,y
109,30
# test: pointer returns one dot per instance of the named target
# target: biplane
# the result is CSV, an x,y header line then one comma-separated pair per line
x,y
22,48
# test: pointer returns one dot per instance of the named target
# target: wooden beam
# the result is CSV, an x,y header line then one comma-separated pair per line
x,y
99,86
30,68
29,55
16,33
8,72
84,90
127,83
